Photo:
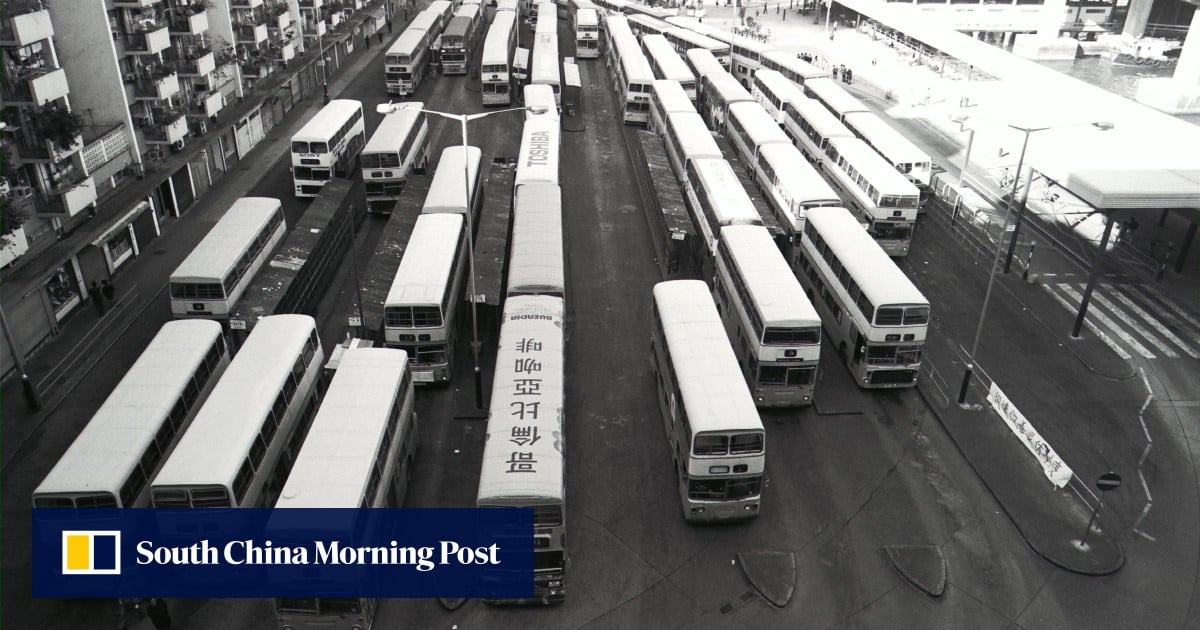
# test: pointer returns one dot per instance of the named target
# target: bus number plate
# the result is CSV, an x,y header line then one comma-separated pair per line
x,y
423,377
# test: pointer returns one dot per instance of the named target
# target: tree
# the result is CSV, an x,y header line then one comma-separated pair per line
x,y
58,124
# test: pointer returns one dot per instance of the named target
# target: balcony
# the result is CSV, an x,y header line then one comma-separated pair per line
x,y
165,85
285,52
203,63
69,198
282,20
252,34
312,4
189,24
23,30
168,126
315,29
212,104
152,38
135,4
36,148
35,85
245,4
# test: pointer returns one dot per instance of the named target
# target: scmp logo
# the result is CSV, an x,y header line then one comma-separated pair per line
x,y
91,553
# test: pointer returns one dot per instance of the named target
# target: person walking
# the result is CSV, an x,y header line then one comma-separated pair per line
x,y
97,298
109,291
159,615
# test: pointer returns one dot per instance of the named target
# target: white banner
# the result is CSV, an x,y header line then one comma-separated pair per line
x,y
1055,468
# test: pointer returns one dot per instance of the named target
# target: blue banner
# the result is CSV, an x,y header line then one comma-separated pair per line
x,y
109,553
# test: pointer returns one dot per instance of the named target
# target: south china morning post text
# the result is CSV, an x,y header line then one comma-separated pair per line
x,y
263,553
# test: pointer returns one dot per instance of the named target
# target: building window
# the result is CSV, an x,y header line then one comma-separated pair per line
x,y
63,292
120,247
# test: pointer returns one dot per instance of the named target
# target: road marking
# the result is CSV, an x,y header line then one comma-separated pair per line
x,y
1156,323
1077,299
1172,308
1112,345
1131,323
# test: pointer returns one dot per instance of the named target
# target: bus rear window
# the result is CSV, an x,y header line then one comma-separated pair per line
x,y
413,317
916,315
889,316
319,147
300,147
340,606
710,445
792,336
746,443
53,502
296,605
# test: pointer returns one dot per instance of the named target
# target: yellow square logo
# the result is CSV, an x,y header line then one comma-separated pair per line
x,y
91,553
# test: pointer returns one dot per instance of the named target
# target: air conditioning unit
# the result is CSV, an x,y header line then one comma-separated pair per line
x,y
131,76
177,146
203,127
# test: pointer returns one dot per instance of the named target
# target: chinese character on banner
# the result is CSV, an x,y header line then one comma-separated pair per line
x,y
527,365
525,411
521,463
529,345
524,436
527,386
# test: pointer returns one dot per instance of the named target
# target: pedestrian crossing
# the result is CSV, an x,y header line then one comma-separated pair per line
x,y
1134,320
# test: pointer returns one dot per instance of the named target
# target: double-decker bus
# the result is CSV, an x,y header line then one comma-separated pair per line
x,y
544,68
686,138
538,155
459,38
684,40
872,313
327,146
885,199
717,441
213,277
892,146
791,186
613,7
523,460
408,59
632,76
496,63
789,65
834,97
717,199
447,192
667,64
751,128
747,53
774,329
718,88
241,446
399,146
539,102
643,25
120,449
634,9
418,314
773,91
535,264
359,454
667,97
535,10
586,25
811,127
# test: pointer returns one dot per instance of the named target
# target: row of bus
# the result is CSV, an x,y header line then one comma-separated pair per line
x,y
409,59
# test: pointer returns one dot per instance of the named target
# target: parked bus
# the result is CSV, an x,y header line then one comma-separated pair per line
x,y
587,34
667,97
523,460
211,280
684,40
140,422
545,23
632,76
717,441
634,9
643,25
327,146
507,5
496,64
538,155
773,91
535,10
613,7
241,446
717,199
443,11
885,199
418,314
792,67
872,313
458,40
791,187
834,97
686,138
408,60
544,67
359,454
540,98
536,255
892,146
774,329
747,53
751,128
667,64
447,190
811,127
718,88
399,146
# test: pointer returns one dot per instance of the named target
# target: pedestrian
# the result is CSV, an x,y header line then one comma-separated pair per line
x,y
97,298
380,33
785,15
109,291
367,42
159,615
776,8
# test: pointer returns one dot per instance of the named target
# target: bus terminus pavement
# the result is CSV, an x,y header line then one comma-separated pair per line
x,y
496,63
774,329
112,460
327,146
872,313
213,277
717,441
523,459
399,146
359,454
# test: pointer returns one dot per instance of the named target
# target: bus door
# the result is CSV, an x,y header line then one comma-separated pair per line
x,y
860,344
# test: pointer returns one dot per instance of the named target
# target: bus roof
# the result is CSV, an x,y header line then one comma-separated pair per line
x,y
544,66
769,280
538,156
424,21
335,464
834,97
540,95
325,123
227,241
468,10
495,45
425,269
821,119
884,138
531,328
670,97
728,89
536,262
696,40
446,192
669,63
870,165
460,26
711,384
796,175
781,86
703,62
586,17
214,447
114,440
505,5
633,62
571,75
794,64
876,274
694,138
719,34
440,7
725,192
759,125
647,24
394,128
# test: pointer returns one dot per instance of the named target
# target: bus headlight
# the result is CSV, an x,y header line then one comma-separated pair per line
x,y
555,583
697,510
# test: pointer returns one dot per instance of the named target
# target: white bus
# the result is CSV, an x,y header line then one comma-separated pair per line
x,y
717,199
811,127
684,40
872,313
458,40
538,156
523,461
544,67
632,76
643,25
751,128
587,34
667,64
496,64
686,139
536,258
535,11
507,5
792,187
545,23
747,53
774,329
211,280
773,91
421,304
613,7
408,59
834,97
399,146
885,199
443,11
446,191
717,441
540,99
718,88
789,65
120,449
241,446
327,146
892,146
359,454
667,97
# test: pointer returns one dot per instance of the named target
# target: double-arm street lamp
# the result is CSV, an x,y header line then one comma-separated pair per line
x,y
463,119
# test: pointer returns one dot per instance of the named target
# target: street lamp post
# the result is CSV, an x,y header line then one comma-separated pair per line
x,y
30,390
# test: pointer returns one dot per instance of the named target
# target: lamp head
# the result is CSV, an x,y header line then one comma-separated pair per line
x,y
1103,125
959,118
385,108
537,110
